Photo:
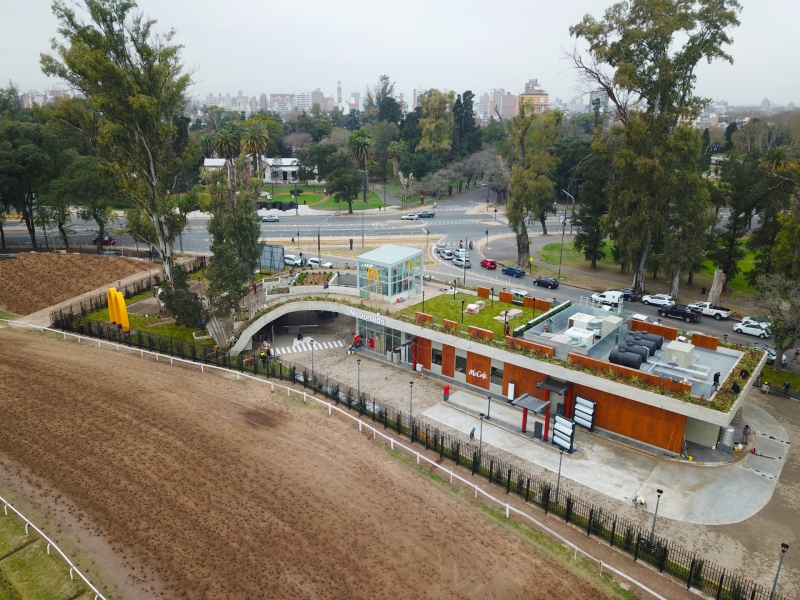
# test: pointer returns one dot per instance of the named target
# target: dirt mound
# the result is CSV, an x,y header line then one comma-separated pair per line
x,y
220,489
37,280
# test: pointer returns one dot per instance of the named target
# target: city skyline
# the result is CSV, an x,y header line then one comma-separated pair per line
x,y
464,60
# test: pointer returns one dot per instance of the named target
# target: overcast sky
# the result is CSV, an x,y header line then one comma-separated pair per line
x,y
465,44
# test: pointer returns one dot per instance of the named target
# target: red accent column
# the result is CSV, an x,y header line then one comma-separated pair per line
x,y
524,420
546,415
568,403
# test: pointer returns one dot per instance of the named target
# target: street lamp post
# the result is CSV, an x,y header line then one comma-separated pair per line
x,y
655,516
319,226
423,300
563,229
558,480
411,409
572,213
363,207
296,200
466,245
480,441
462,311
455,281
784,548
492,297
358,363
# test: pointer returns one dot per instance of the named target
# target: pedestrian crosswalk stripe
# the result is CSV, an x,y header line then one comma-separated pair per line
x,y
305,347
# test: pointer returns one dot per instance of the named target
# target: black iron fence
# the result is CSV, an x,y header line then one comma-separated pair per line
x,y
116,250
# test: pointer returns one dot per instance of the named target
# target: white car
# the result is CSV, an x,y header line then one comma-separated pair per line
x,y
763,320
316,262
659,300
292,260
612,298
410,217
462,262
270,219
752,328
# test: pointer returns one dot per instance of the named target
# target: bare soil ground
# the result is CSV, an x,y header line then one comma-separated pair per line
x,y
37,280
205,487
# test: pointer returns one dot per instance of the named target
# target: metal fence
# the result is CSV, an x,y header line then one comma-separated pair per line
x,y
116,250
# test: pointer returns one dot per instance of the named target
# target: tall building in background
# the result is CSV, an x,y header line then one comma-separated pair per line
x,y
338,92
765,104
355,100
602,99
318,98
281,102
483,105
502,102
262,102
303,100
414,100
534,97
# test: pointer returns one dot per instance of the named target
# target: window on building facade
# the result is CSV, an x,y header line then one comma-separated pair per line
x,y
461,364
497,376
436,357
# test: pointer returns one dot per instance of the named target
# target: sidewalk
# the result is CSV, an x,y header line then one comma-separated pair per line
x,y
692,492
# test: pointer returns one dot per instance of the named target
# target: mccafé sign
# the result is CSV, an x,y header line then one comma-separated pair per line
x,y
478,374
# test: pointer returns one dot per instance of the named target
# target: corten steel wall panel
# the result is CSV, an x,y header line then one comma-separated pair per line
x,y
528,301
506,297
423,352
705,341
668,333
525,380
479,332
528,345
478,364
542,305
483,292
423,317
648,424
448,360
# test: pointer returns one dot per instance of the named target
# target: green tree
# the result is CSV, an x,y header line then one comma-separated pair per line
x,y
595,172
207,144
134,86
384,134
234,228
410,131
140,228
466,133
29,158
180,301
343,181
396,150
780,296
362,147
255,141
420,164
654,47
436,124
382,89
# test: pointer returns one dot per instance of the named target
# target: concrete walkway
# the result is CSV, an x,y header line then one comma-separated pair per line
x,y
717,494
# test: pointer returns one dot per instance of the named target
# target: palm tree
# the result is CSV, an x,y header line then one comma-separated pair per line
x,y
396,150
227,145
207,144
255,141
361,147
778,159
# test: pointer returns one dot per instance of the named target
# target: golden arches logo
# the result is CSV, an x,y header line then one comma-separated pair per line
x,y
373,275
117,310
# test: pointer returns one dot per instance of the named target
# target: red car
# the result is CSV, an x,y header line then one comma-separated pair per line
x,y
488,263
107,240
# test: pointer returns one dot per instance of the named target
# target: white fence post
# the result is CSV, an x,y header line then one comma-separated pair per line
x,y
360,423
476,491
391,443
329,409
417,457
507,511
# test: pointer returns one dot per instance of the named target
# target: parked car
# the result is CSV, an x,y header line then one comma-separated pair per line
x,y
771,353
448,254
462,262
751,327
292,260
679,311
426,214
613,298
645,318
518,294
488,263
410,217
763,320
107,240
710,310
270,219
316,262
548,282
658,300
629,295
514,271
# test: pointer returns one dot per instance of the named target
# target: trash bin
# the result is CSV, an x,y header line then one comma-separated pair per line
x,y
351,243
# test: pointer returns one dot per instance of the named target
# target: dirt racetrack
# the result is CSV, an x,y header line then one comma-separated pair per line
x,y
213,488
37,280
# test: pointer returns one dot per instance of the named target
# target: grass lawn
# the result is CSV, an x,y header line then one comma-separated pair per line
x,y
768,374
7,315
373,201
444,307
142,323
28,571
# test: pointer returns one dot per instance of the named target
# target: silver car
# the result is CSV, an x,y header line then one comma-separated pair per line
x,y
462,262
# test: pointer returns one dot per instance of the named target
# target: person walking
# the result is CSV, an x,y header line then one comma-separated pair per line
x,y
796,354
472,434
716,381
786,388
746,432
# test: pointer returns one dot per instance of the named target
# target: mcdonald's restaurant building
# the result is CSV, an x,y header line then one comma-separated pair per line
x,y
390,273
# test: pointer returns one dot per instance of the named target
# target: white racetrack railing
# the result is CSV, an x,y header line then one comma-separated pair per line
x,y
393,443
72,567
